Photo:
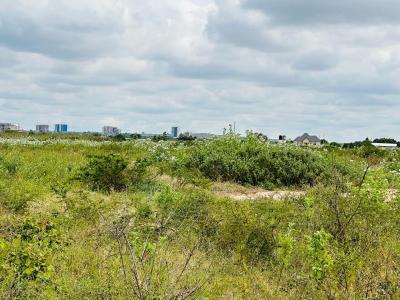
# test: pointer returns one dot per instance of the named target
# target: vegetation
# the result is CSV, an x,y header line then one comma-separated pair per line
x,y
186,137
97,218
387,140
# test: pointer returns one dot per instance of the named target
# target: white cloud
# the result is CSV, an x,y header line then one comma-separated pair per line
x,y
275,66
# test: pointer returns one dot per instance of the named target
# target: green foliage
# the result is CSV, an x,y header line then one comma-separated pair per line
x,y
285,248
385,140
357,144
16,196
186,137
335,144
137,173
252,161
119,138
10,167
183,235
318,251
104,173
135,136
163,137
324,142
25,257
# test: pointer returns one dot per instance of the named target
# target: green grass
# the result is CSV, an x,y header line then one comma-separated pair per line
x,y
165,234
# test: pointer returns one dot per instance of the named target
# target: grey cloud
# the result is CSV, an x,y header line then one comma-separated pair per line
x,y
50,41
238,27
290,12
202,64
316,61
242,34
66,33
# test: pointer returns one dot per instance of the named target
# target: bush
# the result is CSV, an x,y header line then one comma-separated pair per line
x,y
119,138
9,166
252,161
16,195
104,173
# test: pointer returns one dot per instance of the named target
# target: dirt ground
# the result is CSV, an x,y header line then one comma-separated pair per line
x,y
240,193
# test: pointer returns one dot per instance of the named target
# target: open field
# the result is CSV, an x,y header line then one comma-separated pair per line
x,y
229,218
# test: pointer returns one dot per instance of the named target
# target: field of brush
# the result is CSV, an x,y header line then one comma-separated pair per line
x,y
227,218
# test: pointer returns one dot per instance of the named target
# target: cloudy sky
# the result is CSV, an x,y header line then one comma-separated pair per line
x,y
330,68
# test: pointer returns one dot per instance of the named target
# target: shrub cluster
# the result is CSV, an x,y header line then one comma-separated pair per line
x,y
252,161
104,172
180,240
109,172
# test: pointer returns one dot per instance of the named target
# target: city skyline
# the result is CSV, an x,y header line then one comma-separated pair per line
x,y
175,132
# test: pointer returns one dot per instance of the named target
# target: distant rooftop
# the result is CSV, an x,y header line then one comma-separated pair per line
x,y
384,145
306,136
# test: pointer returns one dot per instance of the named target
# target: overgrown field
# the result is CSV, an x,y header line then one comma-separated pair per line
x,y
100,219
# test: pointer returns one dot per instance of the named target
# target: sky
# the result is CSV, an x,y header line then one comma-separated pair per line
x,y
329,68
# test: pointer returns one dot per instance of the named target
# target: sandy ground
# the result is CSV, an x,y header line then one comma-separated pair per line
x,y
391,195
241,193
274,195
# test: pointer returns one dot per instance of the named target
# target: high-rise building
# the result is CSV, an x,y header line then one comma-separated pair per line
x,y
8,127
42,128
111,130
61,128
174,132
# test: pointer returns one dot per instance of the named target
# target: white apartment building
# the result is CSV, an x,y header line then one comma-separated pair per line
x,y
111,130
8,127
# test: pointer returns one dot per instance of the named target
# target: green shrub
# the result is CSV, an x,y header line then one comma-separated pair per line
x,y
25,258
252,161
104,173
15,196
119,138
9,166
318,251
137,173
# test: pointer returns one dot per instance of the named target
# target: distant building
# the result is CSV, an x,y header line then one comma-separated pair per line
x,y
8,127
148,135
280,140
307,139
202,135
61,128
175,132
385,145
110,130
42,128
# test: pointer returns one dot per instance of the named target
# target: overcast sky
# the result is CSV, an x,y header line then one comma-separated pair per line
x,y
330,68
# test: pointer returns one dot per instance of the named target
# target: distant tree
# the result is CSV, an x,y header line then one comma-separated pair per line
x,y
334,144
186,137
357,144
136,136
119,138
164,137
324,142
259,135
385,140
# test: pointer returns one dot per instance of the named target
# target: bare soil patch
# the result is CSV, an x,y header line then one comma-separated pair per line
x,y
241,193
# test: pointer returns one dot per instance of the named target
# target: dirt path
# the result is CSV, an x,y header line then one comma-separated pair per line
x,y
274,195
391,194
